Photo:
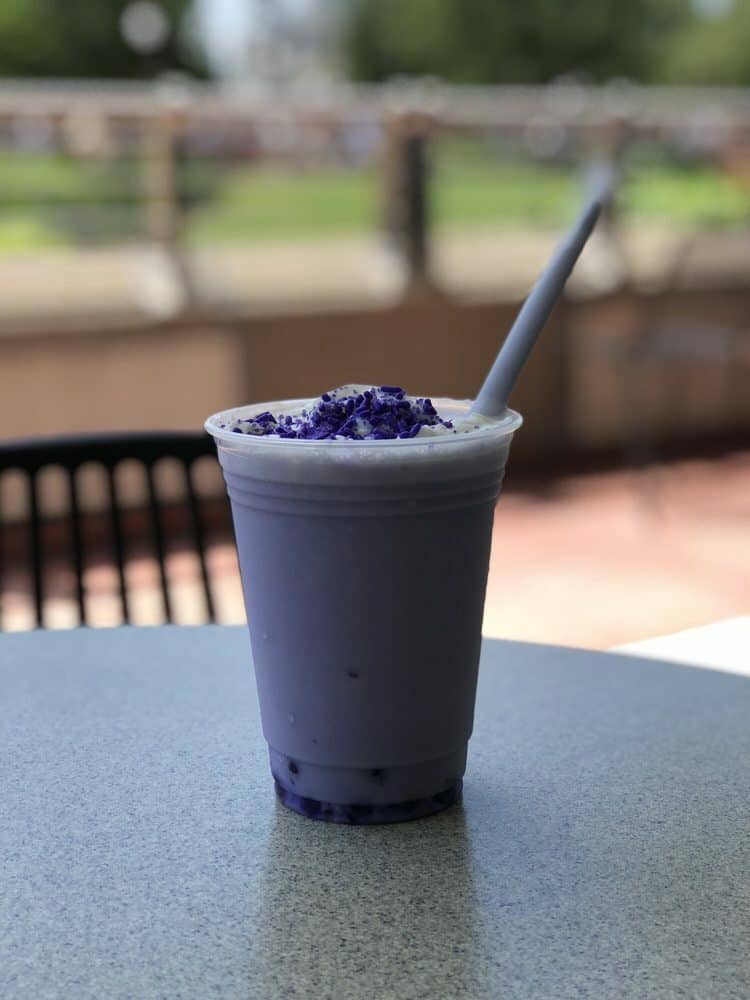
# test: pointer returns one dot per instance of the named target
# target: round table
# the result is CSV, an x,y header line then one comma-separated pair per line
x,y
602,849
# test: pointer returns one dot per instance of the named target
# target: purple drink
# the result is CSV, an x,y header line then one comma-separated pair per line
x,y
364,566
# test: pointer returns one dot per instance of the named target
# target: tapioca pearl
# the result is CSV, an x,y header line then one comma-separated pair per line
x,y
293,766
357,812
449,796
354,674
310,807
410,806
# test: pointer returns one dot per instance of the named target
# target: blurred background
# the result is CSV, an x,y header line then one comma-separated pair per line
x,y
210,202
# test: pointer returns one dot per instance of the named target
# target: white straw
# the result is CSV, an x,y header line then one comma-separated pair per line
x,y
493,396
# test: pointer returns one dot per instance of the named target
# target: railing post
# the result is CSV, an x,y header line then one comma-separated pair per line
x,y
416,205
160,182
169,288
406,201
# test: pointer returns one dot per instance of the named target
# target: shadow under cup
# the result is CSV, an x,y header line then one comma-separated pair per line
x,y
364,568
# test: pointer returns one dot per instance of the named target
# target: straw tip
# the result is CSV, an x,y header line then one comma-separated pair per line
x,y
601,182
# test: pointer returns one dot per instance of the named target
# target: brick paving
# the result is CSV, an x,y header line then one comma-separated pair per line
x,y
592,560
605,559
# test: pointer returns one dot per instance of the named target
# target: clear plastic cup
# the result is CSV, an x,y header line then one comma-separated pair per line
x,y
364,569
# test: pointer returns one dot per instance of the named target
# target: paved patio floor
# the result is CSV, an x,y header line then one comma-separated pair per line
x,y
604,559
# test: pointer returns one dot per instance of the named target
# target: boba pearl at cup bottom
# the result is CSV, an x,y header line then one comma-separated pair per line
x,y
368,794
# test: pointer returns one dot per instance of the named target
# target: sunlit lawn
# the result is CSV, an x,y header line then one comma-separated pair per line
x,y
55,201
266,203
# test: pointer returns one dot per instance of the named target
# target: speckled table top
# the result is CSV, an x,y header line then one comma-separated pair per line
x,y
602,850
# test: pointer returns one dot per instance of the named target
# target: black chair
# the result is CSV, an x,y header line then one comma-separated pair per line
x,y
69,453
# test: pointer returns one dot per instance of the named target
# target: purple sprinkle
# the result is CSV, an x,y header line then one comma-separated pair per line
x,y
379,413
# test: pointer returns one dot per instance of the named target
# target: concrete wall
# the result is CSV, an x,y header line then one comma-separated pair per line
x,y
579,392
660,367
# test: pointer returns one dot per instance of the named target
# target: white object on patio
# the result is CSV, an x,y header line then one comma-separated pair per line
x,y
721,646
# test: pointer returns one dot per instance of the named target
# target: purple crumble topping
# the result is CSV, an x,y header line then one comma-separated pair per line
x,y
375,414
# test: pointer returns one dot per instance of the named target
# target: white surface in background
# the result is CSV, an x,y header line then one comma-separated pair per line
x,y
721,646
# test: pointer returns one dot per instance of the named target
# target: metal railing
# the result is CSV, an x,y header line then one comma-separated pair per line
x,y
153,123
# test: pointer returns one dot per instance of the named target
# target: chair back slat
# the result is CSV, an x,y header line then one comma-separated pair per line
x,y
199,539
118,542
157,536
35,547
2,563
76,544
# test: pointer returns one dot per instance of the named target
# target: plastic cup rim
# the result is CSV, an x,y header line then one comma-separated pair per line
x,y
507,424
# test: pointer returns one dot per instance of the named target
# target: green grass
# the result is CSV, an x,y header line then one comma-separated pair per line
x,y
30,176
262,204
467,194
281,204
21,232
57,201
686,197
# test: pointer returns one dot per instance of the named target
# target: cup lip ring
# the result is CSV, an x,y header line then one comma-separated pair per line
x,y
507,424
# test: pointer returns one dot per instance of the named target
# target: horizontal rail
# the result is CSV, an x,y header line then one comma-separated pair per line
x,y
451,105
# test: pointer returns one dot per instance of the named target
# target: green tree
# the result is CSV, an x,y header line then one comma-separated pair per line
x,y
711,50
509,41
83,38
